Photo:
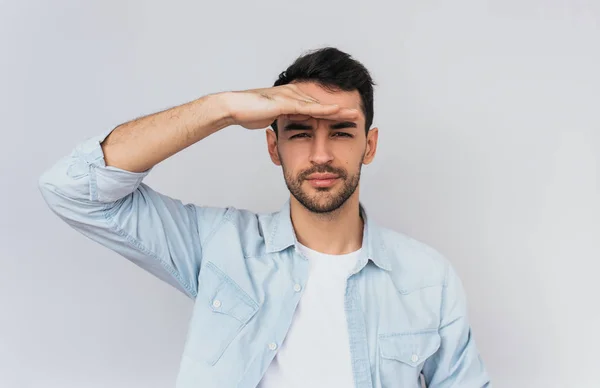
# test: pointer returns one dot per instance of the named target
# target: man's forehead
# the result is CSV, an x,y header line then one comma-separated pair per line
x,y
284,120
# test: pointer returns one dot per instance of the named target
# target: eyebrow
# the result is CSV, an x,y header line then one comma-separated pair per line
x,y
299,126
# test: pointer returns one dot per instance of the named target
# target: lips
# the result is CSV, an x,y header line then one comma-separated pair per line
x,y
322,180
325,176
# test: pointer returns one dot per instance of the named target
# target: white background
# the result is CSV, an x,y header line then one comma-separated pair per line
x,y
489,144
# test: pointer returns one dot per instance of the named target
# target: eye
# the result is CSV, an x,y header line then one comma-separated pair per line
x,y
300,135
342,134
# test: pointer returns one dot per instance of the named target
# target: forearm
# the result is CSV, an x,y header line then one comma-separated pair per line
x,y
140,144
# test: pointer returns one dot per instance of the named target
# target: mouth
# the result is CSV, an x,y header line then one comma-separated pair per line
x,y
322,180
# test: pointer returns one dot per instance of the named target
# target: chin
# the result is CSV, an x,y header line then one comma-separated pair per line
x,y
322,204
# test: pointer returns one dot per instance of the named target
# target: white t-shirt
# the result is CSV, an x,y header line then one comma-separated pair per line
x,y
316,350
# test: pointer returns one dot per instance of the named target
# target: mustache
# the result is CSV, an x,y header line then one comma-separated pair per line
x,y
322,169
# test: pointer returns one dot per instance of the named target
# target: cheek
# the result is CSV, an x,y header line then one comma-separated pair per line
x,y
351,157
292,157
288,164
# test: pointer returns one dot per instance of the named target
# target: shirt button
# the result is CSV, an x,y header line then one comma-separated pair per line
x,y
297,287
216,303
414,358
272,346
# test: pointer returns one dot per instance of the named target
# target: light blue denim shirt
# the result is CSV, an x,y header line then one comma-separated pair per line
x,y
405,306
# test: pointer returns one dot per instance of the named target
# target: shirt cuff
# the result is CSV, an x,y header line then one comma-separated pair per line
x,y
107,183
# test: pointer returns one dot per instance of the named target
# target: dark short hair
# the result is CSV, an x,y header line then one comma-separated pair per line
x,y
335,70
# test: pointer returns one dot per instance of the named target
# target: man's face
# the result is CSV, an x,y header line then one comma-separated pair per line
x,y
322,159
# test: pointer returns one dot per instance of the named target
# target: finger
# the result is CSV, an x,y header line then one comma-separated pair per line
x,y
298,117
314,109
303,96
351,115
325,112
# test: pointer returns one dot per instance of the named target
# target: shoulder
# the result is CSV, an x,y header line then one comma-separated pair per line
x,y
247,229
231,214
414,263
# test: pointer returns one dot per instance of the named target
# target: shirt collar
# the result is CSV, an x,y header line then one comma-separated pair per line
x,y
281,235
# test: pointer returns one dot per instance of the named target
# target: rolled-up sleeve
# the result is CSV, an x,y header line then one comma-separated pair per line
x,y
457,362
116,209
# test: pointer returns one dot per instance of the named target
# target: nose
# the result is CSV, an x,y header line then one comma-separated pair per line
x,y
320,148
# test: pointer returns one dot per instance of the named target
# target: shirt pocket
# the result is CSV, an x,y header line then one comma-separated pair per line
x,y
222,310
402,356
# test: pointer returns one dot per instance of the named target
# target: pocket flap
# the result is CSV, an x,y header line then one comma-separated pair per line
x,y
409,348
227,297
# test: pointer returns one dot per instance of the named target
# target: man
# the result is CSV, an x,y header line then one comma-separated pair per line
x,y
314,295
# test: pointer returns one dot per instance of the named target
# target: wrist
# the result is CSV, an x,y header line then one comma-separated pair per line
x,y
221,105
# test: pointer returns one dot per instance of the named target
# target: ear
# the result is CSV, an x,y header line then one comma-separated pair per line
x,y
272,146
372,137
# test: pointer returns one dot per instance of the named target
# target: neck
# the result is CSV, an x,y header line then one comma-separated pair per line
x,y
335,233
